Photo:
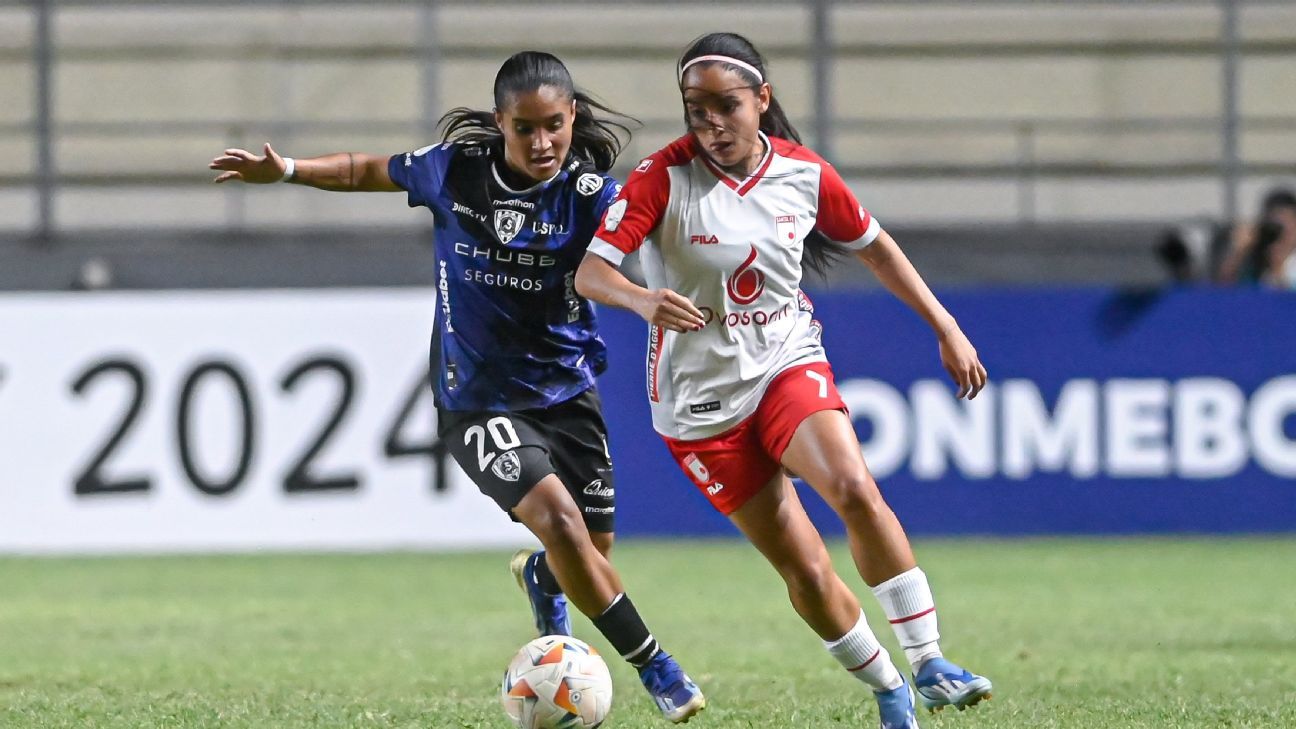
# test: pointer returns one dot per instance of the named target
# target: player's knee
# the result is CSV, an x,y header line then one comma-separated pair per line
x,y
562,529
855,494
810,582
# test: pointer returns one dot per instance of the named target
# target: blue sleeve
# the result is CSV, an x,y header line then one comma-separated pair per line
x,y
421,173
611,188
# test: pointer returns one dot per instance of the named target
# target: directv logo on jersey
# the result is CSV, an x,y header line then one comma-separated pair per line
x,y
508,223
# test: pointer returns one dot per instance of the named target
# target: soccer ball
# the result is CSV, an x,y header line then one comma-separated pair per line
x,y
557,682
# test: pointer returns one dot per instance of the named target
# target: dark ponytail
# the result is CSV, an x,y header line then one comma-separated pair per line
x,y
596,139
819,253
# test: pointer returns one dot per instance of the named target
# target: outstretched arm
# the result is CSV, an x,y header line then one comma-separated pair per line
x,y
600,281
341,172
899,276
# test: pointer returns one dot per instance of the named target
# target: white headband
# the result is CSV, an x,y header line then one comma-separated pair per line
x,y
723,59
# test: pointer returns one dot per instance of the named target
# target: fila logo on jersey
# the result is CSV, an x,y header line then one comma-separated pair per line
x,y
703,240
589,183
715,488
746,283
644,165
614,214
508,223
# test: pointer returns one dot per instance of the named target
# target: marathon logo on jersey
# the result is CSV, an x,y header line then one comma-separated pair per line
x,y
706,407
508,223
746,283
704,240
589,183
615,212
507,466
598,489
785,229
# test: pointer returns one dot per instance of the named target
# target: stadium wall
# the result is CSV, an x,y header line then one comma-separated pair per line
x,y
240,420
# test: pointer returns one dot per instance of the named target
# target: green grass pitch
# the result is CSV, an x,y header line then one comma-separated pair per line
x,y
1074,633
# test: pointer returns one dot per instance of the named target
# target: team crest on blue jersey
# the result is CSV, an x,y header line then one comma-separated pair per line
x,y
507,467
508,223
589,183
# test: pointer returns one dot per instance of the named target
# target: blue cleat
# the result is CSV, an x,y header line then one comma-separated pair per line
x,y
549,611
896,708
941,683
675,693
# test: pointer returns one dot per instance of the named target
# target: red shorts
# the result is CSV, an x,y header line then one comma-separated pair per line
x,y
731,467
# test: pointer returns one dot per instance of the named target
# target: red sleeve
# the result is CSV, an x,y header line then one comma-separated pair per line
x,y
638,209
841,217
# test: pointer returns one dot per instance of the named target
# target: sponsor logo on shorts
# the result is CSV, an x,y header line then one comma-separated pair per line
x,y
589,183
508,467
599,489
600,509
706,407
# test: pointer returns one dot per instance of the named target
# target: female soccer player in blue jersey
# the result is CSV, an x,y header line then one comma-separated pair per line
x,y
516,195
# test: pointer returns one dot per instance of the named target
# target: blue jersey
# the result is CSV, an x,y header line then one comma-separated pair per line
x,y
511,333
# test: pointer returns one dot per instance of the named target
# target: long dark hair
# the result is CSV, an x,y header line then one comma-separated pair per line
x,y
819,252
597,139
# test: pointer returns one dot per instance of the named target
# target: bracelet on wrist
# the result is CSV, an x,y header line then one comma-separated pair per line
x,y
290,169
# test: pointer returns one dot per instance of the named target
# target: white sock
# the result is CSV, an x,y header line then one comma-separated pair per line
x,y
863,657
907,600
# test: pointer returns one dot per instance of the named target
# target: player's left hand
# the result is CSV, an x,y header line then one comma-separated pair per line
x,y
961,362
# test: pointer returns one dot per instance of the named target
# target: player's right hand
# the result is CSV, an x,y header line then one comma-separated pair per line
x,y
670,310
240,164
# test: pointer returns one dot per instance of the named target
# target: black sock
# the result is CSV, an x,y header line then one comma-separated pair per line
x,y
544,578
626,631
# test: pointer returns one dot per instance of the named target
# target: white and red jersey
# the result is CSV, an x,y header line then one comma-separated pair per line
x,y
733,247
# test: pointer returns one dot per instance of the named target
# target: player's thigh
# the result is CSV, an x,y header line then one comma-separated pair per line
x,y
577,438
549,511
504,455
775,522
826,454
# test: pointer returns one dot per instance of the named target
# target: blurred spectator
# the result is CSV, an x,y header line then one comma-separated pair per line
x,y
1187,250
1265,252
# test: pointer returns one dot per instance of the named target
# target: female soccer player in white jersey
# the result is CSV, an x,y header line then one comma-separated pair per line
x,y
516,195
739,384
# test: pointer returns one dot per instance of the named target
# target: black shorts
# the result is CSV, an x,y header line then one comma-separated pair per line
x,y
507,453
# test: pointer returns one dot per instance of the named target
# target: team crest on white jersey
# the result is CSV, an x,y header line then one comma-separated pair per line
x,y
507,466
508,223
785,229
589,183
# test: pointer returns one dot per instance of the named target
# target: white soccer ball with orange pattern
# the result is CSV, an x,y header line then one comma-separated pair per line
x,y
557,682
